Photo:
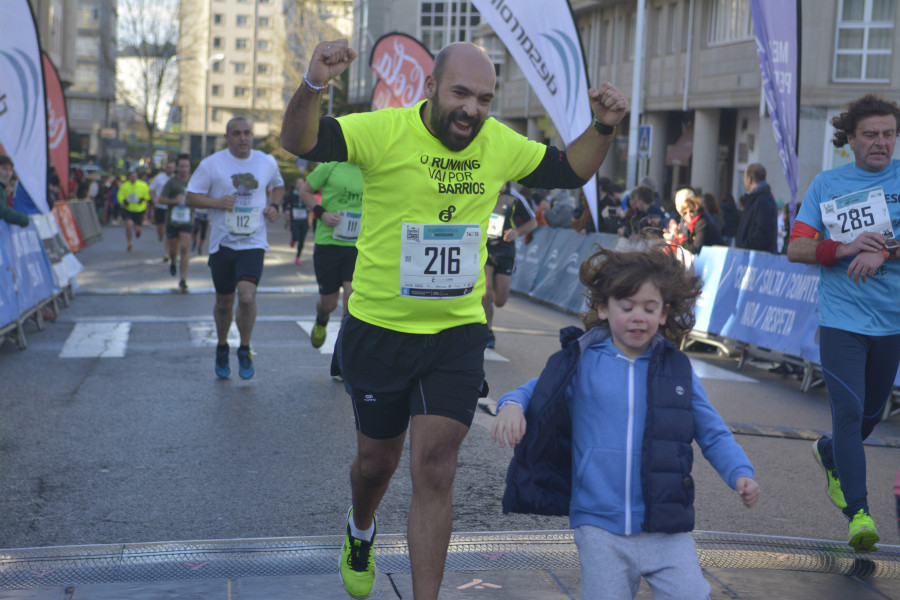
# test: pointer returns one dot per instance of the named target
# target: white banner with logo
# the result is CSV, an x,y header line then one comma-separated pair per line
x,y
542,38
23,111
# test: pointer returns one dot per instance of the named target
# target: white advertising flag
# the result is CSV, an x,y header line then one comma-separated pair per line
x,y
23,110
542,38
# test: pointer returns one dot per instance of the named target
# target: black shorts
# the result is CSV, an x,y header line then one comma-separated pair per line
x,y
392,376
172,231
135,217
200,226
333,265
229,266
503,265
159,215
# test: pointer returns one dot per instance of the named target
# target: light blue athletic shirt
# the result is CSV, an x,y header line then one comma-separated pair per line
x,y
873,307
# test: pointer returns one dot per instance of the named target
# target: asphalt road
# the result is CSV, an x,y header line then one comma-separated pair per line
x,y
150,446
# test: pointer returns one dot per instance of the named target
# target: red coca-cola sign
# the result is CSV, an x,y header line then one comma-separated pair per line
x,y
402,63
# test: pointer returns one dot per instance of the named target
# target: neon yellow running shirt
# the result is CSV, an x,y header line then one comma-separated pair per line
x,y
426,210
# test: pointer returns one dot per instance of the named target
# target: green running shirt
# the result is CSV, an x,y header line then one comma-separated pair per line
x,y
426,210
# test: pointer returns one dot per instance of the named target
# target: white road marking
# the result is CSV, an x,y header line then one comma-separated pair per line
x,y
331,333
493,355
97,340
705,370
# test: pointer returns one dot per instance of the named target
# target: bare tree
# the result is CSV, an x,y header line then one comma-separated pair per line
x,y
148,31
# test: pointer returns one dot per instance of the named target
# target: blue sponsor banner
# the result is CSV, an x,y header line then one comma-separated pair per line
x,y
557,280
765,300
8,308
34,281
708,266
529,258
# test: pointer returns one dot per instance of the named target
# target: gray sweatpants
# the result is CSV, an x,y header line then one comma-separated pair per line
x,y
612,565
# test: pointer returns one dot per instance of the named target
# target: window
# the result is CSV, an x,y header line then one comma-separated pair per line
x,y
240,44
217,42
240,91
216,90
657,42
80,109
630,28
729,21
88,14
263,69
240,67
217,66
87,46
261,92
218,19
243,20
262,44
215,115
86,78
264,21
445,22
671,44
865,33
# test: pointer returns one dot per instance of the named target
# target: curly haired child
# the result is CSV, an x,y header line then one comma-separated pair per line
x,y
610,423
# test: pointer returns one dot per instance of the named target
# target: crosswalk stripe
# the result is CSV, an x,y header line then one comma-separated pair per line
x,y
97,340
331,333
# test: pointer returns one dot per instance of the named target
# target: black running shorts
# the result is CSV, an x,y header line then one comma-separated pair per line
x,y
333,265
392,376
172,231
229,266
503,265
135,217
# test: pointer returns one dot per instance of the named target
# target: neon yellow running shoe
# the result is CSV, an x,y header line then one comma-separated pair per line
x,y
834,484
317,336
863,535
358,563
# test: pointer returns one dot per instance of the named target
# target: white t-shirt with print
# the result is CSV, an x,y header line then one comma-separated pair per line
x,y
156,186
250,178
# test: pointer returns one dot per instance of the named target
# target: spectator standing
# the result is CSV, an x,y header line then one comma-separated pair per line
x,y
730,218
758,227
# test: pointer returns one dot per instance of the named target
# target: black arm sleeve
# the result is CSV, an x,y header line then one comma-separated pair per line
x,y
554,172
331,145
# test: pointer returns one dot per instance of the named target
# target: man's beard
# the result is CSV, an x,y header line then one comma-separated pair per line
x,y
441,124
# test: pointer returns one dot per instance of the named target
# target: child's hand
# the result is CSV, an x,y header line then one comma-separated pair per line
x,y
748,490
509,426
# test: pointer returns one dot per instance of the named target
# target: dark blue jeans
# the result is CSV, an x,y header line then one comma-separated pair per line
x,y
859,372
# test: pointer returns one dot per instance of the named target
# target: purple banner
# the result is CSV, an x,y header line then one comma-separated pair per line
x,y
776,24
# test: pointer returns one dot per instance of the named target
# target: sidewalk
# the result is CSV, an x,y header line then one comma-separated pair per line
x,y
538,565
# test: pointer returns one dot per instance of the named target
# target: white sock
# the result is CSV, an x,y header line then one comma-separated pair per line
x,y
360,534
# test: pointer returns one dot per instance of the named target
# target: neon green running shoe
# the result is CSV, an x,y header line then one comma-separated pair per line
x,y
863,535
358,563
317,336
834,484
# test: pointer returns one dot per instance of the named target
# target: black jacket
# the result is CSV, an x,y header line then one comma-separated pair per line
x,y
758,228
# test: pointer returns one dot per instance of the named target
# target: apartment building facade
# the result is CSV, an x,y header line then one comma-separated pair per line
x,y
245,57
701,86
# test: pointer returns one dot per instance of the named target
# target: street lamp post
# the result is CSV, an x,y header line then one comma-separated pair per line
x,y
212,59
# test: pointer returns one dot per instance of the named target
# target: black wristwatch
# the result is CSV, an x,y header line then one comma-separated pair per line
x,y
602,128
890,248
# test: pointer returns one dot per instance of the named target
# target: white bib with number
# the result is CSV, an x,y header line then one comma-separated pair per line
x,y
131,199
348,229
438,260
180,214
298,213
848,216
243,220
495,225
